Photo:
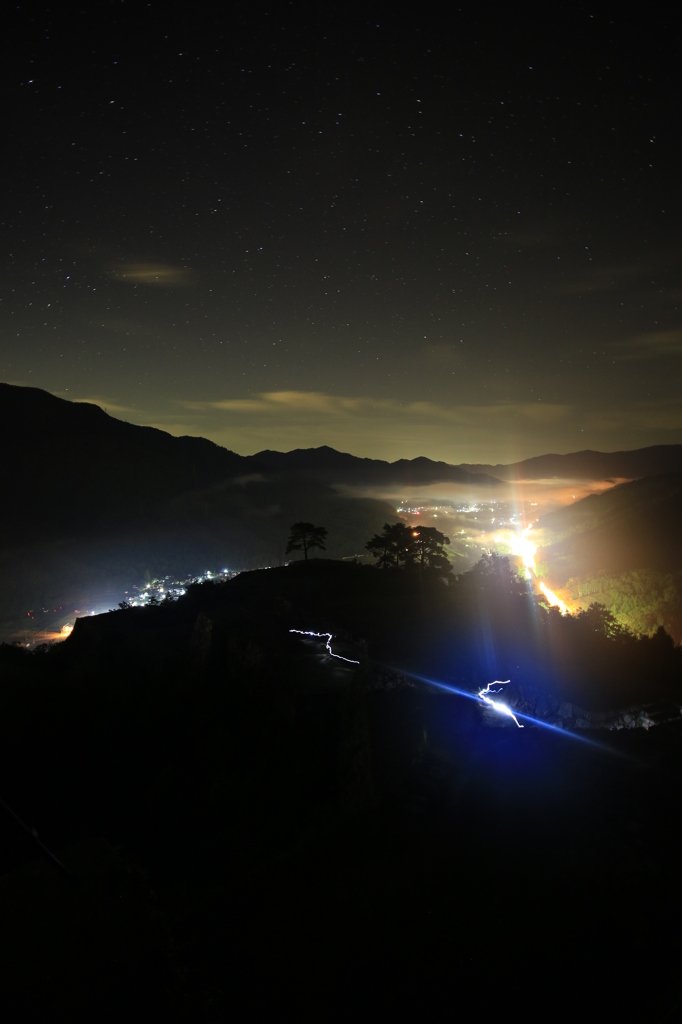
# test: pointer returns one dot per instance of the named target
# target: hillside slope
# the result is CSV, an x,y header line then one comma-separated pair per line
x,y
90,504
590,465
632,526
70,461
622,548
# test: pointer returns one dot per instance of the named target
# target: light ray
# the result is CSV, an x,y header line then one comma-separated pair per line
x,y
526,718
502,708
525,549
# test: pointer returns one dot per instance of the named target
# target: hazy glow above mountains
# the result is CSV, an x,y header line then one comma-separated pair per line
x,y
393,237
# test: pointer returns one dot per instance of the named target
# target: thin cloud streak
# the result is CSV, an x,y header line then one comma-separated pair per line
x,y
386,429
306,403
379,427
159,274
653,345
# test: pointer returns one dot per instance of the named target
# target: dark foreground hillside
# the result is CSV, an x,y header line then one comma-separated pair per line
x,y
247,823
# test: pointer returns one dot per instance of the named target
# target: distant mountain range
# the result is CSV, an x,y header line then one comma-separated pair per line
x,y
53,440
88,498
334,467
90,504
340,468
589,465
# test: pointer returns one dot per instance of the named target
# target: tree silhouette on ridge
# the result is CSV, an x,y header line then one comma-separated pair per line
x,y
304,536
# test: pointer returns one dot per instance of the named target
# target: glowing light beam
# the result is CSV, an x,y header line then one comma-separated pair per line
x,y
525,549
557,729
502,708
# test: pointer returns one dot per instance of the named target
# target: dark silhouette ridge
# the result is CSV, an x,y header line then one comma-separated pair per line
x,y
590,465
66,458
334,467
90,503
55,429
327,464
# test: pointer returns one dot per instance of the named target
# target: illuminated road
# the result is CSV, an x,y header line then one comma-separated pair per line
x,y
525,549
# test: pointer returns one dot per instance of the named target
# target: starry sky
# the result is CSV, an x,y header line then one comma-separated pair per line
x,y
453,236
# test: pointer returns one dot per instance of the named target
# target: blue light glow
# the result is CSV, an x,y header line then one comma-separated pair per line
x,y
527,718
496,704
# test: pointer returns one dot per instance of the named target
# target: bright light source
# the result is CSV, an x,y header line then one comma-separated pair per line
x,y
501,708
525,549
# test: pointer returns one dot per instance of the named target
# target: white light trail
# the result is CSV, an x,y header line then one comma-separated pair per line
x,y
308,632
502,708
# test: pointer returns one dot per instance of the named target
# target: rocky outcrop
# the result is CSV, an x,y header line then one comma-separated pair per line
x,y
564,715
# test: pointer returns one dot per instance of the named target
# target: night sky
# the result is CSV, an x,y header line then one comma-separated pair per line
x,y
398,235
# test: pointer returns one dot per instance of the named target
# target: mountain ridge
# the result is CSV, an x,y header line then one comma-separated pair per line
x,y
92,504
337,467
588,464
90,500
39,413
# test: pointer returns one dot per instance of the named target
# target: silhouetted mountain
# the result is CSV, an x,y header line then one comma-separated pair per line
x,y
335,467
589,465
69,462
90,503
